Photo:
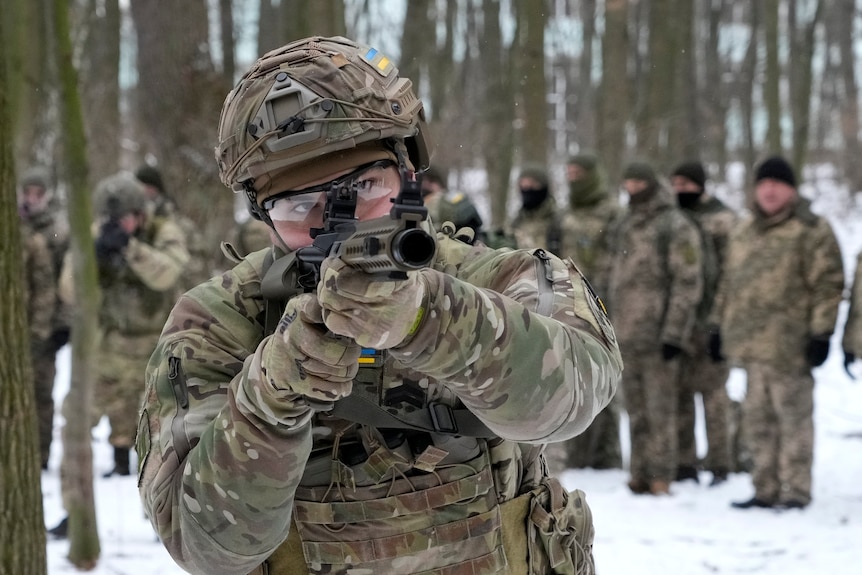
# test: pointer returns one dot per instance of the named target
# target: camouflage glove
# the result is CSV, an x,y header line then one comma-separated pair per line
x,y
375,313
304,358
817,350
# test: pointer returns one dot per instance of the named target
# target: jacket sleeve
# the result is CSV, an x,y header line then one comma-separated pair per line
x,y
529,376
852,341
159,265
685,284
824,276
218,473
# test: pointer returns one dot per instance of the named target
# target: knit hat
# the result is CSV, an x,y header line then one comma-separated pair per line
x,y
692,171
150,176
776,168
586,160
640,171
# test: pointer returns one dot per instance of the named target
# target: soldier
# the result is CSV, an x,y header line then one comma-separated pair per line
x,y
537,225
41,292
585,228
851,343
377,425
700,373
41,215
163,206
776,309
445,207
655,287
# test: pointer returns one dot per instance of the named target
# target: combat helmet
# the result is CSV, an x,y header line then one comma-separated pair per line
x,y
314,107
118,195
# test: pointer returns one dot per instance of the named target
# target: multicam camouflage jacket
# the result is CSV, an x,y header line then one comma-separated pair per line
x,y
655,286
852,342
783,282
515,337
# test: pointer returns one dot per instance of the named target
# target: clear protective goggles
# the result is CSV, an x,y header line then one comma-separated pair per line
x,y
369,181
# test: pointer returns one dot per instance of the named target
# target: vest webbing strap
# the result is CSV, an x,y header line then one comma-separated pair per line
x,y
436,418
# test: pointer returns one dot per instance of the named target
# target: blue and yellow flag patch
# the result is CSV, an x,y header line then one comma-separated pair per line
x,y
378,61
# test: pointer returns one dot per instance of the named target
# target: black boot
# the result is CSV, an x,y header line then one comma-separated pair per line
x,y
686,472
61,531
121,462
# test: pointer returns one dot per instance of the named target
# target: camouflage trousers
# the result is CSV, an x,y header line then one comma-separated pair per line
x,y
777,416
44,372
700,375
650,396
122,362
597,447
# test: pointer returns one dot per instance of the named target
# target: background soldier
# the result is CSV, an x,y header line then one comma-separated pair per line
x,y
778,301
584,234
851,344
376,425
655,287
448,207
41,293
537,225
700,373
163,206
41,214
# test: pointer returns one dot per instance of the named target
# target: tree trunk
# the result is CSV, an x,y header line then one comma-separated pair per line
x,y
498,133
712,94
802,56
684,127
585,116
849,115
22,538
228,45
771,94
268,28
613,104
77,465
653,134
532,86
100,85
179,98
415,49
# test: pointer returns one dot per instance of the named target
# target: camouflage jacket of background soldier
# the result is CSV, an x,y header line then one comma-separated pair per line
x,y
716,221
584,230
654,289
40,289
220,476
538,228
852,341
783,282
51,226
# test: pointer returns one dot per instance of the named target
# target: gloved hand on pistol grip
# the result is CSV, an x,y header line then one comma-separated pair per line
x,y
375,313
305,358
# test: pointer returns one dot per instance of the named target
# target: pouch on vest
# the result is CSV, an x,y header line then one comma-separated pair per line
x,y
559,531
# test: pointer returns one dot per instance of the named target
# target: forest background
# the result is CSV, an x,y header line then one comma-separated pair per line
x,y
90,87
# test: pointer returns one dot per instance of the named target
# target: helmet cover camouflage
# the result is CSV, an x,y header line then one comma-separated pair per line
x,y
312,107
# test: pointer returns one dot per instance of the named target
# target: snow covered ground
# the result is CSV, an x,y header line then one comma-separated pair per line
x,y
692,532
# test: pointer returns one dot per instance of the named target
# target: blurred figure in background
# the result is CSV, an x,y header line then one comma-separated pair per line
x,y
655,285
851,344
584,235
775,313
444,206
702,373
537,224
42,215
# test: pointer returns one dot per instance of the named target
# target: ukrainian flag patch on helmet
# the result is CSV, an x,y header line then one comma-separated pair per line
x,y
378,61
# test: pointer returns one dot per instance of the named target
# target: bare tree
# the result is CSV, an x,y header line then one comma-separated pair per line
x,y
772,95
613,104
100,85
532,87
802,47
228,45
845,15
22,546
77,465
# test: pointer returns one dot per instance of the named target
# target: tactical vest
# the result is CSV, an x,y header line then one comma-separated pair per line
x,y
410,484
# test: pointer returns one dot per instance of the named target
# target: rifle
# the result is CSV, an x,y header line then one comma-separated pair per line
x,y
386,247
